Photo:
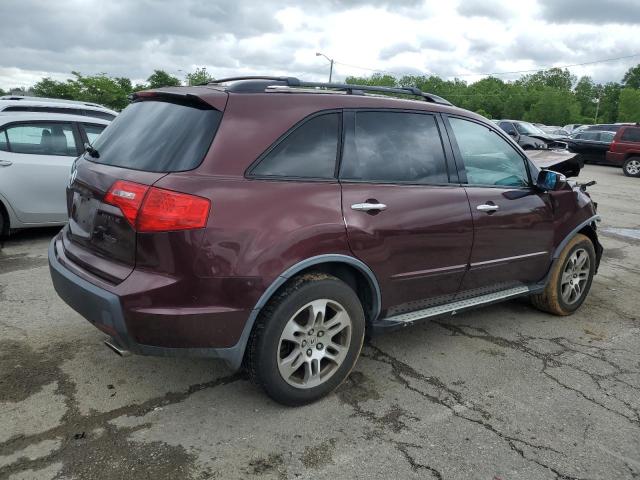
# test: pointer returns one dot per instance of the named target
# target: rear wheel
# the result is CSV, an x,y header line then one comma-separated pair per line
x,y
306,340
631,167
4,223
570,279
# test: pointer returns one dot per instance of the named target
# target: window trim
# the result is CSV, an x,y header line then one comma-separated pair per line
x,y
349,118
71,124
502,134
248,173
83,134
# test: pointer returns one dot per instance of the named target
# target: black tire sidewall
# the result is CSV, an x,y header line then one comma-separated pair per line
x,y
588,246
267,367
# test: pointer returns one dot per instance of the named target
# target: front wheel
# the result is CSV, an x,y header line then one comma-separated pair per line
x,y
631,167
570,279
306,339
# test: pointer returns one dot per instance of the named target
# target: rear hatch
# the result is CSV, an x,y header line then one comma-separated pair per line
x,y
161,132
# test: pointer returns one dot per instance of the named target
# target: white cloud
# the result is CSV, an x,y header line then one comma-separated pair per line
x,y
468,38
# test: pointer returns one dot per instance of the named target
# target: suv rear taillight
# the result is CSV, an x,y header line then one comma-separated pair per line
x,y
152,209
612,147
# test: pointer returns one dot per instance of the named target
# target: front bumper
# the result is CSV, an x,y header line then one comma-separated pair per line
x,y
104,310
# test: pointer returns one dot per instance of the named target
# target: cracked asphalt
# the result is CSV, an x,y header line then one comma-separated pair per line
x,y
501,393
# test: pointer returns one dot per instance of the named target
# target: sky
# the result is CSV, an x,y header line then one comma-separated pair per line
x,y
466,39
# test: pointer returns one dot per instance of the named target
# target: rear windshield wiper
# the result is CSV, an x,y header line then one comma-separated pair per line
x,y
91,151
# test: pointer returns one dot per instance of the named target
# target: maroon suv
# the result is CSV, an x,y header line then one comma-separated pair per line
x,y
625,150
272,223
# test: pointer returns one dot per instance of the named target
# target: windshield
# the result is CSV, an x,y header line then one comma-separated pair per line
x,y
526,128
158,136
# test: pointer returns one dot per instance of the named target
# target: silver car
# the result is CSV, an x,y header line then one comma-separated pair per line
x,y
37,150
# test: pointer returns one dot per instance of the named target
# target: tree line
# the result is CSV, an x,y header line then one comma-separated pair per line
x,y
552,97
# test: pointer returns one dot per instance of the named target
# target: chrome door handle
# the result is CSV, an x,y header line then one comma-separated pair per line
x,y
487,208
365,207
5,163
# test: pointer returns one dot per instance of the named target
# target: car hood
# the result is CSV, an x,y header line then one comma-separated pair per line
x,y
561,161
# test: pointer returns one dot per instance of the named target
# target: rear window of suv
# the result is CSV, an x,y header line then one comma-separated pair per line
x,y
631,135
158,136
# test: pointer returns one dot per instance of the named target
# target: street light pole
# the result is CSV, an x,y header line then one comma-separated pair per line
x,y
318,54
595,120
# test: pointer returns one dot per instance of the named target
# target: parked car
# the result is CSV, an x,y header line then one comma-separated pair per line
x,y
19,103
605,127
530,137
36,154
552,129
271,222
571,127
591,145
624,150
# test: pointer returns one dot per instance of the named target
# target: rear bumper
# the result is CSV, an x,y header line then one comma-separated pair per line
x,y
104,310
615,158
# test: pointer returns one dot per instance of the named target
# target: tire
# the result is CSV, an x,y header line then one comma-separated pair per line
x,y
4,223
631,167
560,296
272,347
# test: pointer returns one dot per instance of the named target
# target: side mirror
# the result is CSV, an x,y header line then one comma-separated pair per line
x,y
513,134
550,180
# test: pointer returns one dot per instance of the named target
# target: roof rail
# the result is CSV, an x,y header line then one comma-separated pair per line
x,y
259,83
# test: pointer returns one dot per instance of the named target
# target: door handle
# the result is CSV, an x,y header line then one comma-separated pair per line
x,y
365,207
487,207
5,163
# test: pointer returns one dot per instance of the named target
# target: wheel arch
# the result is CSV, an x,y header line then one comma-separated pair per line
x,y
4,229
587,228
352,271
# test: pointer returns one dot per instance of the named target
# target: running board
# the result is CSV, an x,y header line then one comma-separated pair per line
x,y
452,308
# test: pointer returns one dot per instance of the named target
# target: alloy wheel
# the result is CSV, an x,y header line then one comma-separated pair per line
x,y
575,276
633,167
314,343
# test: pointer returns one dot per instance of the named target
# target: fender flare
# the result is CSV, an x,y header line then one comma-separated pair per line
x,y
541,285
572,234
234,355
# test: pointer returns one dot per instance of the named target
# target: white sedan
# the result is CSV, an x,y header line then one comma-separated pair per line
x,y
36,154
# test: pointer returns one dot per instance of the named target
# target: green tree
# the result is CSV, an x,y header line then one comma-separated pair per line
x,y
47,87
102,89
554,107
160,78
2,92
586,93
631,79
609,102
199,77
553,77
629,110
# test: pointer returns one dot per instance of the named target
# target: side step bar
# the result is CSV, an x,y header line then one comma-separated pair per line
x,y
452,308
115,346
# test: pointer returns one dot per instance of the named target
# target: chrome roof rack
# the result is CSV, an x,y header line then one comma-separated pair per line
x,y
256,84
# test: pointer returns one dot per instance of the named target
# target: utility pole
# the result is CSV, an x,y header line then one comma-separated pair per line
x,y
595,120
318,54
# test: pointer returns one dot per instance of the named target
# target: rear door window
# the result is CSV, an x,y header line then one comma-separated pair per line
x,y
394,147
488,159
42,138
158,136
309,151
631,135
4,143
92,131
